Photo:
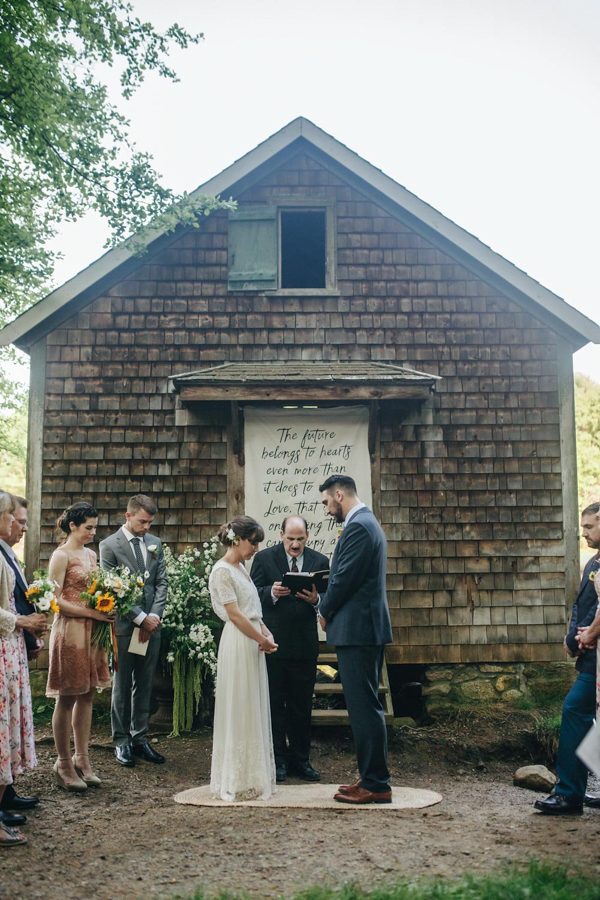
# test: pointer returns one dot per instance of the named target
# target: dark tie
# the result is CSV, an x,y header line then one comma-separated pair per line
x,y
294,567
137,552
16,569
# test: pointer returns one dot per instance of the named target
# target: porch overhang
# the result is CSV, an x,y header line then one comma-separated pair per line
x,y
303,381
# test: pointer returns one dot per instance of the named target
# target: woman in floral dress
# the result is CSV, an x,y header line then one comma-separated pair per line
x,y
17,744
77,668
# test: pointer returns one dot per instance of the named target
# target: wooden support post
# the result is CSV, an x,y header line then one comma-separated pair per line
x,y
35,451
568,471
235,462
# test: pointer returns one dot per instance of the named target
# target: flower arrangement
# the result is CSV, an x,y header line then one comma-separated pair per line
x,y
41,593
188,629
112,590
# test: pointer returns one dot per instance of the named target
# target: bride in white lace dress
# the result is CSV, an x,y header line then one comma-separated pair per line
x,y
243,765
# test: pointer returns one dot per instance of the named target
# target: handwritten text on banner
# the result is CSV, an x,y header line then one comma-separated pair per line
x,y
290,452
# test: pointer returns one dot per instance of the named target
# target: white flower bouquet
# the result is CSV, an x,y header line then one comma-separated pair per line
x,y
188,629
41,593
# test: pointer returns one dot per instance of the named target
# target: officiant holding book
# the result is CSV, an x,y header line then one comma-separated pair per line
x,y
291,617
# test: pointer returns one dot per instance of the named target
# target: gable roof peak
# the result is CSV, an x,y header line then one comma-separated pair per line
x,y
578,329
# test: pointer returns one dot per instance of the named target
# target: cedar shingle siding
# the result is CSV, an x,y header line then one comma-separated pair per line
x,y
470,493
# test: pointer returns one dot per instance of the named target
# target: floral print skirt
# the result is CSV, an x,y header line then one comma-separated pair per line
x,y
17,743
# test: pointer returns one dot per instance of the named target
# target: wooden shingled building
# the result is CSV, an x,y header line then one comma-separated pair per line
x,y
331,295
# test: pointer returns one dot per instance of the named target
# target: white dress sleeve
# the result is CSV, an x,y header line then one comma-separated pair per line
x,y
222,590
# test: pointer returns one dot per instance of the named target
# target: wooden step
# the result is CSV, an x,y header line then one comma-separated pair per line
x,y
330,717
328,657
334,687
337,717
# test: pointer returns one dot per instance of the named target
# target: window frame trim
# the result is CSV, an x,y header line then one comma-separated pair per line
x,y
287,204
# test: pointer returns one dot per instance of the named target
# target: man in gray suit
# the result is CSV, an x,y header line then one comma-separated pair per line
x,y
133,546
355,614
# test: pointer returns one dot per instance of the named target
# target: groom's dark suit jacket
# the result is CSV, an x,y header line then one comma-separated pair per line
x,y
355,604
293,622
24,608
584,612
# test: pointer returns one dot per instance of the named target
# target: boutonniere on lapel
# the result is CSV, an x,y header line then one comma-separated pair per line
x,y
340,532
152,548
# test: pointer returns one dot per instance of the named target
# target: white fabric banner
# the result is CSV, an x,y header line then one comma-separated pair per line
x,y
290,452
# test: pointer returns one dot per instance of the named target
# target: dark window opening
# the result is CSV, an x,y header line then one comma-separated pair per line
x,y
303,254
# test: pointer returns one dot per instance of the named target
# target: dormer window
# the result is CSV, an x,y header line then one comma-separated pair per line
x,y
284,249
303,248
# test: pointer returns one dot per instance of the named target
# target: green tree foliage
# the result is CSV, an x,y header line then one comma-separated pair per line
x,y
65,148
587,413
13,436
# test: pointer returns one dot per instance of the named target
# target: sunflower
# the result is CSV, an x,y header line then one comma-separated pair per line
x,y
54,606
105,603
32,591
93,587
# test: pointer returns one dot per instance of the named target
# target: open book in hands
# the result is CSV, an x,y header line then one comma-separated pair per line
x,y
303,581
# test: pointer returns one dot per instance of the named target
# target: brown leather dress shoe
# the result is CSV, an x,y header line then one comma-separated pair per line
x,y
348,788
361,796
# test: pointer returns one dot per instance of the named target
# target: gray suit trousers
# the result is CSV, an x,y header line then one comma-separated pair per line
x,y
132,690
360,670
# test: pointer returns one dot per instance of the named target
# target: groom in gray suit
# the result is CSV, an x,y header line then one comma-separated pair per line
x,y
133,546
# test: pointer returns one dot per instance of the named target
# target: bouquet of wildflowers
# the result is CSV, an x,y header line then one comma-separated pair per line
x,y
41,593
113,590
188,626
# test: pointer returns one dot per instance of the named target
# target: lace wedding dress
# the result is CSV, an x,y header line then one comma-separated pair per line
x,y
243,765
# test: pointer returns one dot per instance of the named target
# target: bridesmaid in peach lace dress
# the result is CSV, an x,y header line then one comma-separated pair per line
x,y
77,668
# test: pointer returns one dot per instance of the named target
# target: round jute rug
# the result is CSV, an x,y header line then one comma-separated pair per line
x,y
314,796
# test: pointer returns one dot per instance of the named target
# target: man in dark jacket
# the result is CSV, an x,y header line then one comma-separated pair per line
x,y
355,612
579,707
293,621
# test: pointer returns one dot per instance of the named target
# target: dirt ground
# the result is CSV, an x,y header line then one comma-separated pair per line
x,y
129,839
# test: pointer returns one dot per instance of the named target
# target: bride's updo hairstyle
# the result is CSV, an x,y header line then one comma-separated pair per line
x,y
77,513
241,527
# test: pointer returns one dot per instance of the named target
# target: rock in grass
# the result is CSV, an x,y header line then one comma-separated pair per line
x,y
536,778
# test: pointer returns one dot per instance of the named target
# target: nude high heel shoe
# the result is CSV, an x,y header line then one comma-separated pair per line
x,y
91,780
69,784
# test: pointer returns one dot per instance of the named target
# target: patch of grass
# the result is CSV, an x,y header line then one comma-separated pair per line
x,y
538,882
546,729
43,707
42,711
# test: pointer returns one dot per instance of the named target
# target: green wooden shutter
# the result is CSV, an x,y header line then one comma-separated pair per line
x,y
253,249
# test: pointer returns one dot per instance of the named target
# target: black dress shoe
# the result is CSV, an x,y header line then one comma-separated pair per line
x,y
280,773
145,751
11,800
305,771
12,819
124,755
557,805
591,801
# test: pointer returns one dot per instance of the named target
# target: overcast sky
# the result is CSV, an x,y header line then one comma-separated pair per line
x,y
486,109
